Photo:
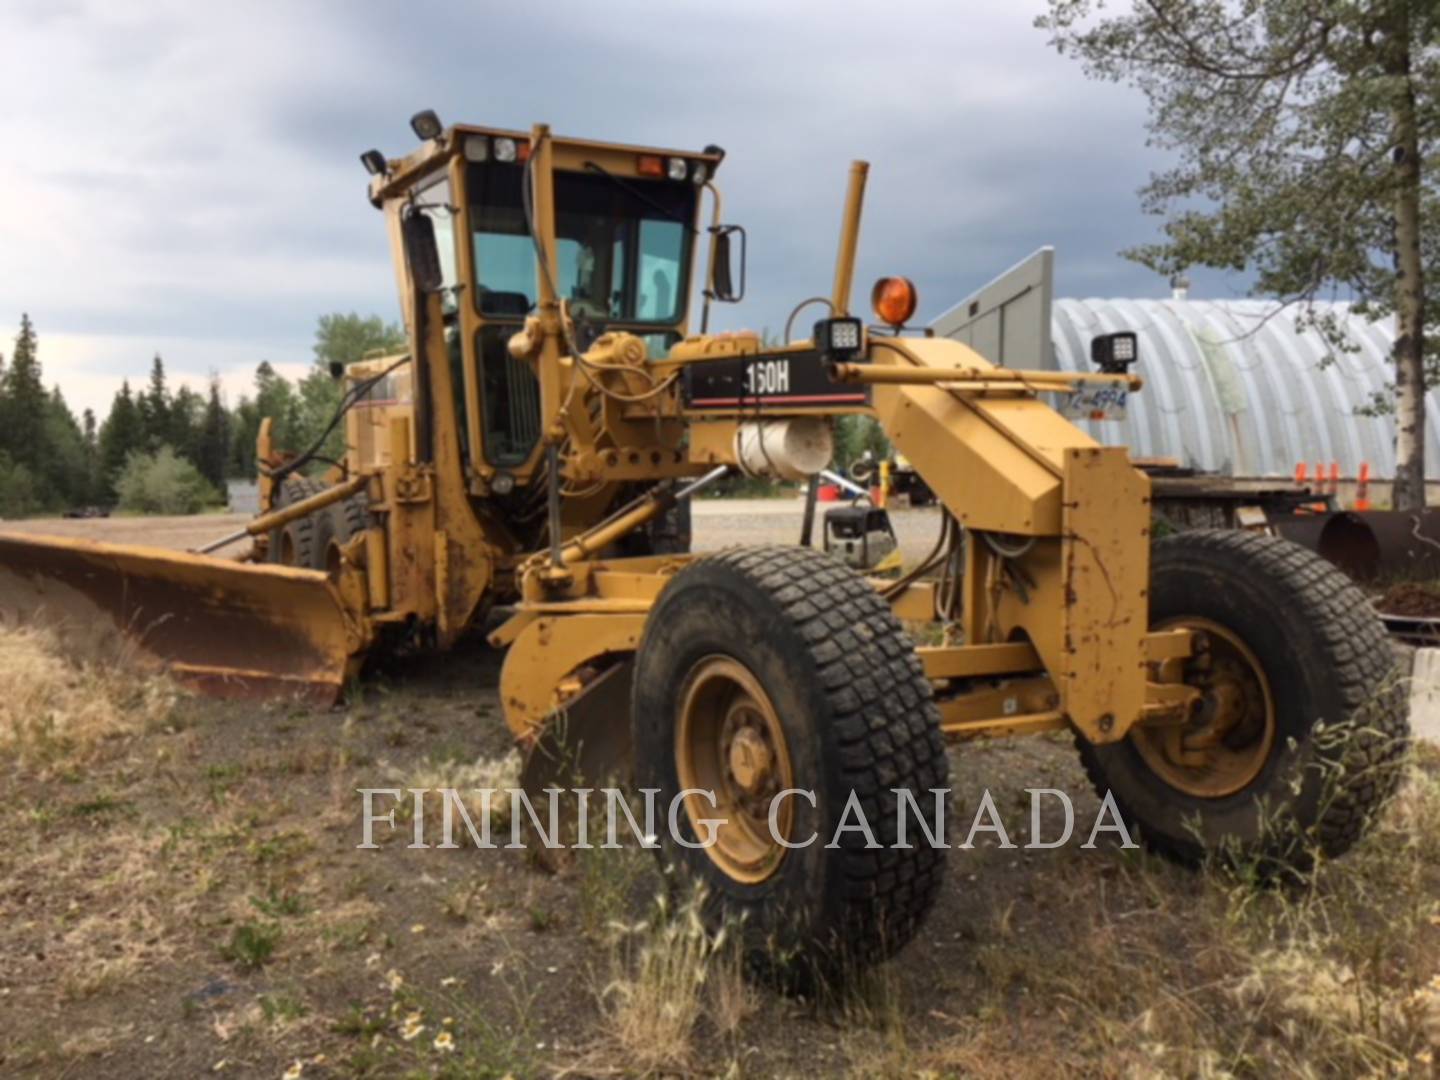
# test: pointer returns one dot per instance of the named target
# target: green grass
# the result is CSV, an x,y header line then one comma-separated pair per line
x,y
281,1008
276,903
98,806
252,945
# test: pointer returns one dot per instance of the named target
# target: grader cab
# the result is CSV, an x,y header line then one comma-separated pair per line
x,y
531,457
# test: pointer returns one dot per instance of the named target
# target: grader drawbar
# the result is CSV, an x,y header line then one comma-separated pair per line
x,y
528,463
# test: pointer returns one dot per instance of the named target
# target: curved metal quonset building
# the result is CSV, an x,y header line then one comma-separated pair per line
x,y
1238,387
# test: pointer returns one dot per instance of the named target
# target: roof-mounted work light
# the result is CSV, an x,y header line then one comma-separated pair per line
x,y
426,125
374,162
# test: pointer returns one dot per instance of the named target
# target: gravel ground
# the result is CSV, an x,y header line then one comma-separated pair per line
x,y
181,533
718,523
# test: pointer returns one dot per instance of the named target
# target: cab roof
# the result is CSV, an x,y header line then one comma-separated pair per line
x,y
622,159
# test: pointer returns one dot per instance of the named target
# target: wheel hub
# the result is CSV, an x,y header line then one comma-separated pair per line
x,y
729,742
749,759
1223,745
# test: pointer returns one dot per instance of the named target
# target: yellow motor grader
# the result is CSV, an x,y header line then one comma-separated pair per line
x,y
527,464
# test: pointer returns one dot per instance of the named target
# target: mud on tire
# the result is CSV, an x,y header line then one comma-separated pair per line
x,y
1339,706
857,715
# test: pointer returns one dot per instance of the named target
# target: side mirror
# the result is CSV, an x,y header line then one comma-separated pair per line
x,y
337,370
421,251
723,281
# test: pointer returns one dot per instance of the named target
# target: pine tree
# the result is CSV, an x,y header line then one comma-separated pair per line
x,y
94,485
18,490
122,434
187,414
213,447
154,406
23,404
64,470
245,426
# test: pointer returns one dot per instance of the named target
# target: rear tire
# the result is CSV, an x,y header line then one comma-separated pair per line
x,y
1338,722
344,521
348,518
301,543
805,652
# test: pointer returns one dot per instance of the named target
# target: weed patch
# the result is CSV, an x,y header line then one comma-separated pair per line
x,y
252,944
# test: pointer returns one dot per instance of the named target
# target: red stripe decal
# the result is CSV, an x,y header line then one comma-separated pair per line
x,y
790,399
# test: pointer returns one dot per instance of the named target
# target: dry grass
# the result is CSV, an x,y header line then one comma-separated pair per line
x,y
118,911
657,993
54,713
1166,973
733,997
465,778
498,774
148,850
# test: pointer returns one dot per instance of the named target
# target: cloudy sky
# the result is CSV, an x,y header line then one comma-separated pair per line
x,y
183,177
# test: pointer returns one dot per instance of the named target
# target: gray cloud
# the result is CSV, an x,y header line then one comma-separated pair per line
x,y
188,173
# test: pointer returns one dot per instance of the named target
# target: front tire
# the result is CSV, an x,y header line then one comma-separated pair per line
x,y
1296,743
769,668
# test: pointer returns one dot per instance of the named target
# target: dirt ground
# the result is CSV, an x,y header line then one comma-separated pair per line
x,y
182,894
181,533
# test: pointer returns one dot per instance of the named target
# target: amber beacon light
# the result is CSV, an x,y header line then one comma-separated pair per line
x,y
894,300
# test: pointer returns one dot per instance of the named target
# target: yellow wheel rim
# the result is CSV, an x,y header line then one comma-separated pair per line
x,y
1223,745
728,740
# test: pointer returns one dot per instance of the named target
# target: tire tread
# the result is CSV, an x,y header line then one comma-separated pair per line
x,y
886,728
1374,722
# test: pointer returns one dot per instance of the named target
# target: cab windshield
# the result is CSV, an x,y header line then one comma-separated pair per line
x,y
623,245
